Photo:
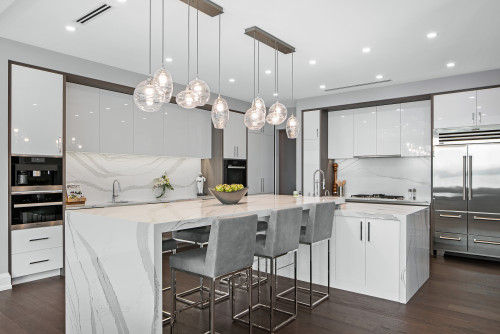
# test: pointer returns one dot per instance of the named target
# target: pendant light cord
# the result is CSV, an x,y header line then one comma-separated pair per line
x,y
292,77
275,71
219,55
258,69
149,37
189,21
163,32
254,65
277,74
197,44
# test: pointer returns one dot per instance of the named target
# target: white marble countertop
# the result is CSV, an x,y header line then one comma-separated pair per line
x,y
387,201
129,203
382,211
193,210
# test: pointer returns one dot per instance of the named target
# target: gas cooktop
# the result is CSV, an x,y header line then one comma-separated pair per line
x,y
379,196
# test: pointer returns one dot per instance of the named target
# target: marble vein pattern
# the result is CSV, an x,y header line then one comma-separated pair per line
x,y
96,173
390,176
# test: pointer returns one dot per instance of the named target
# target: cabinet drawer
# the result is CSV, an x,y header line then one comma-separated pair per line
x,y
450,242
34,239
36,262
484,245
450,221
484,224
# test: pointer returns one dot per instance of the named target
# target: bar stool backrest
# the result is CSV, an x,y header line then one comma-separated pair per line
x,y
283,231
320,224
231,245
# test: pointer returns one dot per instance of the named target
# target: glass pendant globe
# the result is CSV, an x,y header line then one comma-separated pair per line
x,y
292,127
277,114
220,113
201,88
146,97
259,103
187,99
255,118
164,84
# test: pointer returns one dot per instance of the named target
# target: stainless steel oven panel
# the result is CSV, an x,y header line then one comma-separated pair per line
x,y
484,224
22,190
36,225
482,245
450,242
450,221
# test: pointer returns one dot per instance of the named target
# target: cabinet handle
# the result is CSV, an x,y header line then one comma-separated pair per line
x,y
39,239
237,151
317,133
486,242
234,151
368,231
470,178
464,177
450,216
473,116
479,117
486,218
41,261
361,230
450,238
59,144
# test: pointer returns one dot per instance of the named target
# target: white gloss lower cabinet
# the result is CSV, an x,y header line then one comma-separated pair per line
x,y
365,132
350,250
340,134
82,118
416,129
37,112
389,130
116,123
260,163
235,137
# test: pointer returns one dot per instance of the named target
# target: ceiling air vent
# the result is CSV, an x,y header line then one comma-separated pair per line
x,y
93,14
358,85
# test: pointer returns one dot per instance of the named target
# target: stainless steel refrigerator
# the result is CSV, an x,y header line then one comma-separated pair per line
x,y
466,198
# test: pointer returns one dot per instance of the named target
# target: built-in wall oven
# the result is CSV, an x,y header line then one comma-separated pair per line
x,y
235,171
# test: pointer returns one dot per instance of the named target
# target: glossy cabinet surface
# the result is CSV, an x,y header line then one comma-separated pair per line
x,y
175,125
267,129
235,137
311,121
350,250
260,163
148,132
82,118
311,164
365,131
341,134
488,106
388,130
116,123
199,133
416,129
455,110
37,112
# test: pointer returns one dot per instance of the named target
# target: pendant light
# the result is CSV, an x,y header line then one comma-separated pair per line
x,y
259,102
198,85
146,97
220,110
188,98
162,78
278,112
292,125
255,117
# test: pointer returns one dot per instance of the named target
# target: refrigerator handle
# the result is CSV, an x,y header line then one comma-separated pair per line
x,y
470,177
464,178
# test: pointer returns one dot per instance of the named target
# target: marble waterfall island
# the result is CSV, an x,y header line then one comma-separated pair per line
x,y
114,259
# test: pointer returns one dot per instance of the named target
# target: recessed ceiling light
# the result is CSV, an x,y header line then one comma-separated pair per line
x,y
312,62
450,64
275,94
432,35
472,97
70,28
168,60
34,104
121,0
322,86
232,80
73,138
366,50
125,104
379,77
107,108
123,121
26,139
91,112
166,113
77,115
268,72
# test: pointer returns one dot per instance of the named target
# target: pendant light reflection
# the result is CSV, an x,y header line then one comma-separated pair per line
x,y
292,125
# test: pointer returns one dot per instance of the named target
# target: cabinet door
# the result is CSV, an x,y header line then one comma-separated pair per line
x,y
455,110
37,112
382,257
235,137
365,131
311,124
117,123
254,163
175,127
340,134
416,129
488,106
267,167
82,118
148,132
311,164
200,133
389,130
350,250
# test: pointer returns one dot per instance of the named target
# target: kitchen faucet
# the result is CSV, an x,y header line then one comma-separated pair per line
x,y
116,183
316,183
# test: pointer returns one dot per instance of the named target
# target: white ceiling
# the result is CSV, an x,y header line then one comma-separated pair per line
x,y
332,32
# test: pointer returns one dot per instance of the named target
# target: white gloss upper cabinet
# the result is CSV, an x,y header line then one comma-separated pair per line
x,y
148,132
389,130
82,118
455,110
117,123
340,134
488,106
37,112
175,125
267,129
235,137
199,133
365,131
416,129
311,120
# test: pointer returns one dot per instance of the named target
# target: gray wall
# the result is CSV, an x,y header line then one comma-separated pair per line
x,y
11,50
465,81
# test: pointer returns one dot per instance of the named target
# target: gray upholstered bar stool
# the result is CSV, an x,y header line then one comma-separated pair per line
x,y
168,246
230,249
281,237
318,228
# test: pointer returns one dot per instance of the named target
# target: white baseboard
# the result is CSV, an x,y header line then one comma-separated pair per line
x,y
37,276
5,282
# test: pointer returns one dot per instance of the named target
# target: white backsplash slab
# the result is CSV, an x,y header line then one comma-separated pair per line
x,y
96,173
390,176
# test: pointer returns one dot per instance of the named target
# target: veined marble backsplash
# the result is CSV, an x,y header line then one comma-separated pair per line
x,y
390,176
96,173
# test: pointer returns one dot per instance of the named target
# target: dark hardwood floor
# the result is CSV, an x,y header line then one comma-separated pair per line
x,y
462,296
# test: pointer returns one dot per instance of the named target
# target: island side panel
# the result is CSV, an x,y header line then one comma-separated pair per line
x,y
111,282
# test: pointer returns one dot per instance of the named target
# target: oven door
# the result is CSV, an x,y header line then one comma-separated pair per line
x,y
235,174
37,208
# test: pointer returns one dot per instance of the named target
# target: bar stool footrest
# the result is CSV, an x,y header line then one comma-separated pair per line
x,y
324,296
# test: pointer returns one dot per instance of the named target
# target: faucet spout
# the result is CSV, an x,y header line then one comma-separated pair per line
x,y
316,184
116,186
